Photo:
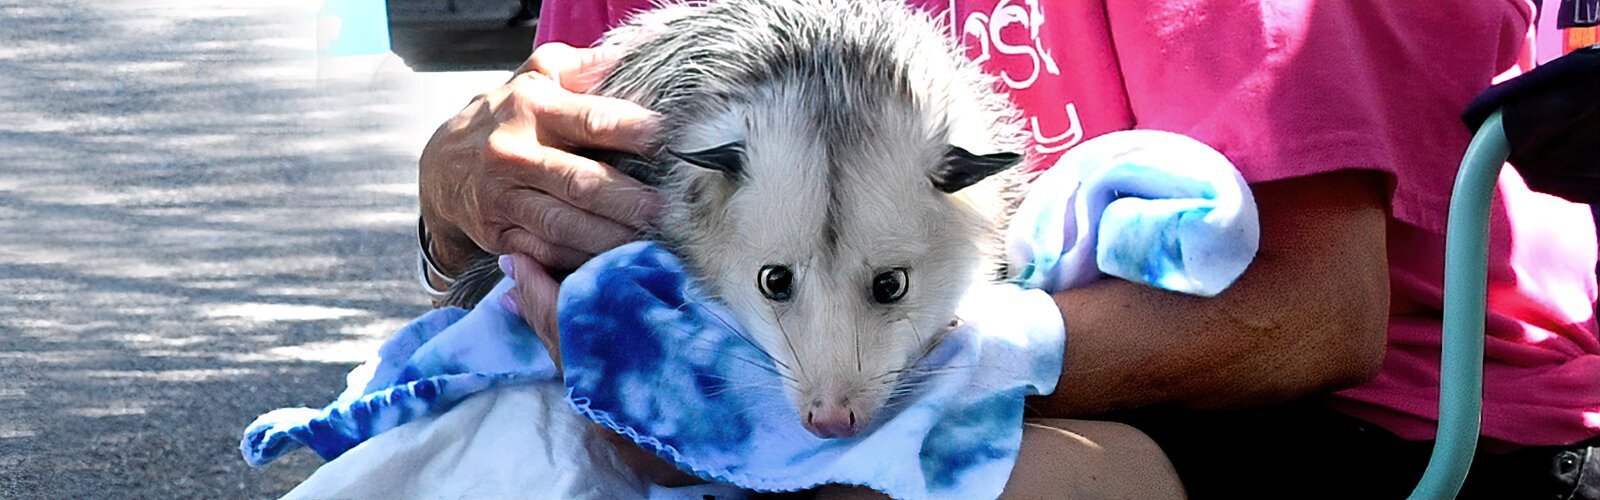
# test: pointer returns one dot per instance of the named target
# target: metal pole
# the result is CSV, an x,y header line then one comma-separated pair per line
x,y
1465,281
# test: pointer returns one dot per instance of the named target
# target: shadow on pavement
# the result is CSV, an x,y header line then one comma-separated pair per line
x,y
195,231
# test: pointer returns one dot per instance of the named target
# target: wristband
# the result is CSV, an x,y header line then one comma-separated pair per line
x,y
427,267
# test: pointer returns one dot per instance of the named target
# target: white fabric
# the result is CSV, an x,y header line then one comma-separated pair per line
x,y
521,441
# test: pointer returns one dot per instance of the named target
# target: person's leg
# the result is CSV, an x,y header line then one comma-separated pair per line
x,y
1083,459
1075,459
1297,450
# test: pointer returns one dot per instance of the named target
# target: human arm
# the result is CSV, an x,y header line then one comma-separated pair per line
x,y
1307,316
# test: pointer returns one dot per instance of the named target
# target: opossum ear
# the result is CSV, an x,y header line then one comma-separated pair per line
x,y
727,158
961,168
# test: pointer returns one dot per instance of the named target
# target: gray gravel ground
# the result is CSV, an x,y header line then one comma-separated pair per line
x,y
194,229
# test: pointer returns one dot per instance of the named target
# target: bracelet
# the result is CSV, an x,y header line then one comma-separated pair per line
x,y
427,268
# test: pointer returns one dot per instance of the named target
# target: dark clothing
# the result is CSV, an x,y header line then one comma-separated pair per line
x,y
1306,450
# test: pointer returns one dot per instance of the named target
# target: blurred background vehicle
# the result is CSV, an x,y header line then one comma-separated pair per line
x,y
462,35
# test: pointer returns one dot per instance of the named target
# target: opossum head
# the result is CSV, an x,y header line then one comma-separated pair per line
x,y
814,149
827,221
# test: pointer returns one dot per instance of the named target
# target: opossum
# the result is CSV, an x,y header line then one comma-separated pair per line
x,y
824,166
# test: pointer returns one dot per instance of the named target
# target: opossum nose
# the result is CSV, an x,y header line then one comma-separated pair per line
x,y
832,420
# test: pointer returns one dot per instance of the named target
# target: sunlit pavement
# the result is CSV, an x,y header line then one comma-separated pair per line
x,y
198,223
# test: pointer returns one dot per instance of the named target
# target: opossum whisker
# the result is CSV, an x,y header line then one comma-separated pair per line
x,y
929,375
932,371
729,326
906,390
913,371
858,348
917,370
719,377
740,383
905,386
746,411
885,374
937,339
713,345
788,382
768,369
712,348
906,320
724,389
778,319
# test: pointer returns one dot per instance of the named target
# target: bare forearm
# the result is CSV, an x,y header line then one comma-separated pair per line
x,y
1308,316
1133,346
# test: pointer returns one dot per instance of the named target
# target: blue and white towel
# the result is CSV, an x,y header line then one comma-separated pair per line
x,y
636,333
647,355
426,367
1146,206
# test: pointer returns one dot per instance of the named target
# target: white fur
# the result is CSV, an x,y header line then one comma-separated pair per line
x,y
844,107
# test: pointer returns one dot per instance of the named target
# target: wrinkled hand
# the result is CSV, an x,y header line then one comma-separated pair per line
x,y
501,176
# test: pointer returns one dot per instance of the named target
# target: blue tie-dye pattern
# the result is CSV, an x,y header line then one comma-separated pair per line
x,y
1150,207
426,367
675,344
747,434
959,443
649,355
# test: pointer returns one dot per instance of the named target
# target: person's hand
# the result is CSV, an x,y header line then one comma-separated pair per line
x,y
501,176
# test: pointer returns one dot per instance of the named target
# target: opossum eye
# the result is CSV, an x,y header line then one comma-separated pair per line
x,y
890,285
775,281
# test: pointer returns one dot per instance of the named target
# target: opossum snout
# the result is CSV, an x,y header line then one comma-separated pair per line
x,y
831,418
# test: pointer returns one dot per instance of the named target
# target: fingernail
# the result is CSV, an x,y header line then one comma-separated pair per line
x,y
507,268
510,304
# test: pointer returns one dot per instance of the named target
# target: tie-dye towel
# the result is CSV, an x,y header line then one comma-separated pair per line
x,y
1146,206
648,356
638,342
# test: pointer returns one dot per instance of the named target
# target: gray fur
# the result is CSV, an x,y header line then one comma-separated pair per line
x,y
847,110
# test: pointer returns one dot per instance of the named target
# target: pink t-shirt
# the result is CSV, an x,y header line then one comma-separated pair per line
x,y
1290,89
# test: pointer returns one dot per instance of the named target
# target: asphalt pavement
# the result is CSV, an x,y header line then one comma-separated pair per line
x,y
199,222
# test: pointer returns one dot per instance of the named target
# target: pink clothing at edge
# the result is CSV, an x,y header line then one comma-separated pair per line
x,y
1290,89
